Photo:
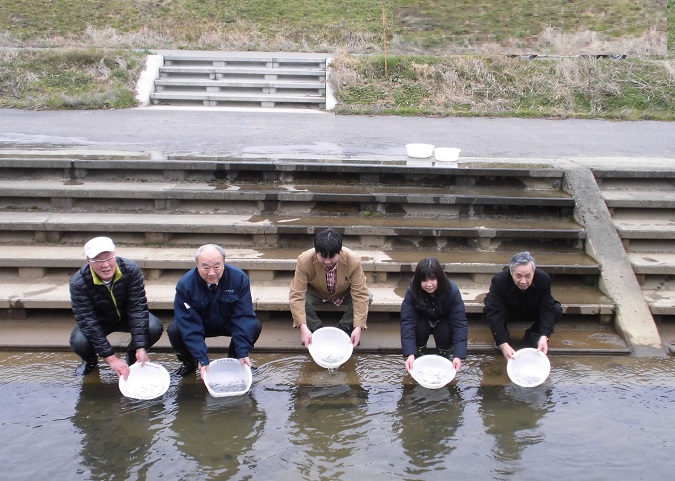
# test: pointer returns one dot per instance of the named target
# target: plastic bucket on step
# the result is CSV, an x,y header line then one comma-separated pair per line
x,y
419,151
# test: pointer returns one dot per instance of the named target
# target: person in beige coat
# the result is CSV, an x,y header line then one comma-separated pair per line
x,y
329,273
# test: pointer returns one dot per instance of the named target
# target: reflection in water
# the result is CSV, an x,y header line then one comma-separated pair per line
x,y
427,427
512,414
594,419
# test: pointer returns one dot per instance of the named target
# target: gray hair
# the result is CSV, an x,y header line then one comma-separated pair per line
x,y
209,246
521,259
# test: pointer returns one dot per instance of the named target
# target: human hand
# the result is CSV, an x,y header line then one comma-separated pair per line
x,y
356,336
410,360
120,367
202,369
305,335
543,344
245,361
457,364
142,356
507,351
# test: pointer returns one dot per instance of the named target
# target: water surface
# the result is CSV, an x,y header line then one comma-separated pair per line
x,y
596,418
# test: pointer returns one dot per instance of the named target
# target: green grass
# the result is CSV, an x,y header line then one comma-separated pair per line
x,y
70,79
91,61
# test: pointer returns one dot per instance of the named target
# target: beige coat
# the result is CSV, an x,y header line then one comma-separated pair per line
x,y
310,275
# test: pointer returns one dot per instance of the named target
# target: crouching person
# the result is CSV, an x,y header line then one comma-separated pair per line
x,y
212,299
108,295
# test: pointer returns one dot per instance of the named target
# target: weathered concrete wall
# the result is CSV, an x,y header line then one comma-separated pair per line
x,y
632,318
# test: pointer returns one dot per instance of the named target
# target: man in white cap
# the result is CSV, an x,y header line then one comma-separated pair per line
x,y
108,295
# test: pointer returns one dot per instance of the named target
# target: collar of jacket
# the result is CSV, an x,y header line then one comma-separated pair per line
x,y
99,282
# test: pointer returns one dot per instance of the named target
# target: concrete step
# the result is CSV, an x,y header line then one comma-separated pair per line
x,y
638,224
164,84
46,293
36,261
256,198
268,73
245,230
395,173
268,100
51,331
195,59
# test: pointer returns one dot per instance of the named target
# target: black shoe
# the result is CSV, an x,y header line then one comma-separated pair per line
x,y
185,369
531,338
86,366
131,357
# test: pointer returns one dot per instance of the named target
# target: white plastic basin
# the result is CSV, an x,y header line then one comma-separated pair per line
x,y
432,371
330,347
530,367
149,381
419,151
227,377
446,154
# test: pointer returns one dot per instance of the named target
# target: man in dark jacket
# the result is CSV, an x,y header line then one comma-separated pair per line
x,y
108,295
212,299
522,294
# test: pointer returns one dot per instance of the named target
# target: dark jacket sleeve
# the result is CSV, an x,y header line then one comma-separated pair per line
x,y
243,319
408,324
188,320
547,304
460,328
86,316
132,290
495,309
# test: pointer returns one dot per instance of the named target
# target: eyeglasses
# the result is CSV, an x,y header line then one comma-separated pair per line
x,y
102,261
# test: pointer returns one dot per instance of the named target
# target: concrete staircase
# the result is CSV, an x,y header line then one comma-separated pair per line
x,y
642,204
266,212
242,79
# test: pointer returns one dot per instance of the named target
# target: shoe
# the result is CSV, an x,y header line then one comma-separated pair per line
x,y
421,351
446,353
185,369
131,357
86,366
531,338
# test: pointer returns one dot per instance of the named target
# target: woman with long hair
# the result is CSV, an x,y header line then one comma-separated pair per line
x,y
433,305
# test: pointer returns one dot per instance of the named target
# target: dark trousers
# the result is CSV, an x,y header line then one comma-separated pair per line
x,y
442,333
178,344
532,333
83,348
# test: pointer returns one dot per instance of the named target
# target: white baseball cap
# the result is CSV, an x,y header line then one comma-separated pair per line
x,y
97,245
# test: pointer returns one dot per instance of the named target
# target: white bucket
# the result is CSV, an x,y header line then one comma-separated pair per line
x,y
432,371
227,377
446,154
530,367
149,381
330,347
419,151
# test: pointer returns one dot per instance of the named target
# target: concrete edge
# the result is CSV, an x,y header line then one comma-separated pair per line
x,y
146,81
632,318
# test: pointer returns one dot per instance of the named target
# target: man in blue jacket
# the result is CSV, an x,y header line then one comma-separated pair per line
x,y
212,299
108,295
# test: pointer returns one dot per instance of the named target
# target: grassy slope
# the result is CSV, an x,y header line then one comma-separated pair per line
x,y
460,85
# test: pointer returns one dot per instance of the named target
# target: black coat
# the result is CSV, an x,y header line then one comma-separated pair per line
x,y
505,302
98,314
449,308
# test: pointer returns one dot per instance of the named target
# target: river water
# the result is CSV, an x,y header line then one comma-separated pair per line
x,y
595,418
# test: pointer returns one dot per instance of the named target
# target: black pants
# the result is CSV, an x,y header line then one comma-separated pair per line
x,y
178,344
442,333
83,348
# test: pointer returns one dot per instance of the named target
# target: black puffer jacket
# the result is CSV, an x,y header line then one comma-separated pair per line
x,y
99,310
